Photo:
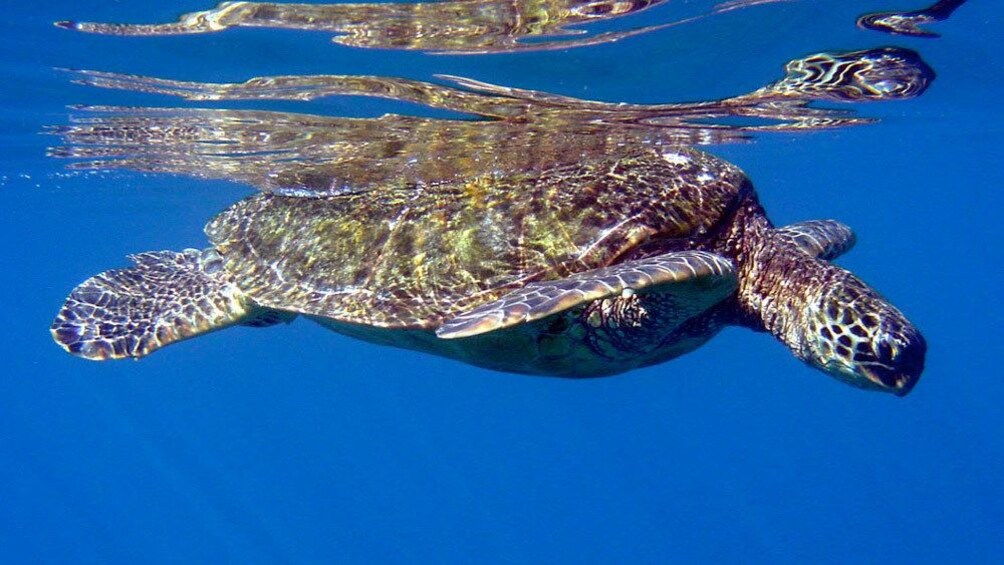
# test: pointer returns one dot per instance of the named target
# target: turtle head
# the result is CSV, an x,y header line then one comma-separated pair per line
x,y
855,335
883,73
826,316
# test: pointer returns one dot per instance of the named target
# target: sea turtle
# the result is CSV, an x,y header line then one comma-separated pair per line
x,y
592,269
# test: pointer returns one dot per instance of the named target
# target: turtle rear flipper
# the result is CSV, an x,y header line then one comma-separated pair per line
x,y
166,297
701,278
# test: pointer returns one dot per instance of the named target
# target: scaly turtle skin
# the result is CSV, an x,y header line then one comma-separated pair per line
x,y
586,270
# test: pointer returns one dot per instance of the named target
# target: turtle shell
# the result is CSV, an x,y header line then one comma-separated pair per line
x,y
412,255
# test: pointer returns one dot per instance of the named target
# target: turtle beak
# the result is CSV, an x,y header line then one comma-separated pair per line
x,y
899,364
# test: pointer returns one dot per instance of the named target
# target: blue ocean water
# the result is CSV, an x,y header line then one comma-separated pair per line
x,y
294,444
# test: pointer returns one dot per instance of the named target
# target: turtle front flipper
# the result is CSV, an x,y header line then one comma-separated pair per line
x,y
702,279
166,297
823,239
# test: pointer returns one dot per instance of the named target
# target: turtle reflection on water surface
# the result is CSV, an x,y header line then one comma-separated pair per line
x,y
910,23
580,270
446,26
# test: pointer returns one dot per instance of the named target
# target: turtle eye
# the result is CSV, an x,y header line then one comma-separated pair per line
x,y
884,350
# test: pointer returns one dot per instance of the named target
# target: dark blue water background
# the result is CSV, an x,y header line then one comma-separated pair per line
x,y
297,444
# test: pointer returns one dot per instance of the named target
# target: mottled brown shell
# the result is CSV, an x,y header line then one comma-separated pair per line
x,y
413,255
